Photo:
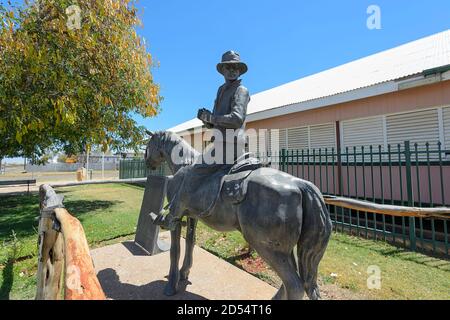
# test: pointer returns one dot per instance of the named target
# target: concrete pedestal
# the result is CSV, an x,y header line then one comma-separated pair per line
x,y
126,272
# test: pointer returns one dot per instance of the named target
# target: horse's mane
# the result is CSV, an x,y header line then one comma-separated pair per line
x,y
171,139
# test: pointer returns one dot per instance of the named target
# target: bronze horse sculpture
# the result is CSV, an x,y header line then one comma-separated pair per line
x,y
279,212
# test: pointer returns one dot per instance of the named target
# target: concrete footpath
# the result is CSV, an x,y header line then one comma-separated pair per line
x,y
127,273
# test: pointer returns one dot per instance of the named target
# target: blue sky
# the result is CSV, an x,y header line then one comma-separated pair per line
x,y
281,41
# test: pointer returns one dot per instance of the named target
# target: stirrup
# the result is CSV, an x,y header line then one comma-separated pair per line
x,y
165,222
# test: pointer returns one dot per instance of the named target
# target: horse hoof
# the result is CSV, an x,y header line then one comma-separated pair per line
x,y
170,290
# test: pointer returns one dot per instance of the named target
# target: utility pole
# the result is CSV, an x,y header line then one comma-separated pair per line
x,y
87,164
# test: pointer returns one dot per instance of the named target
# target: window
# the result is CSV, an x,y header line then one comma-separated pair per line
x,y
297,138
282,138
446,125
252,141
322,136
307,137
417,127
362,132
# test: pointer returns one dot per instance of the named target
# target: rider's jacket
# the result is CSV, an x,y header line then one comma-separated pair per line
x,y
230,109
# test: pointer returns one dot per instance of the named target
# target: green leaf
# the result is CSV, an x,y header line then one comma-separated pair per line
x,y
19,137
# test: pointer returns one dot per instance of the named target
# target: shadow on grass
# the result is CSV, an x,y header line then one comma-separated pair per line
x,y
7,280
8,275
439,263
69,189
20,212
80,207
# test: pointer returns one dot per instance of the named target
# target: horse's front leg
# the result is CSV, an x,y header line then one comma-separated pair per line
x,y
190,243
174,273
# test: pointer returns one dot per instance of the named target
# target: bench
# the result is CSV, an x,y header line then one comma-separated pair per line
x,y
23,182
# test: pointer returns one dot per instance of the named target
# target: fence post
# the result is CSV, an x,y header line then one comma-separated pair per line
x,y
339,172
283,159
409,191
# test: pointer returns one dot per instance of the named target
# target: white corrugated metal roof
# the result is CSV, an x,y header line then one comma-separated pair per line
x,y
193,123
406,60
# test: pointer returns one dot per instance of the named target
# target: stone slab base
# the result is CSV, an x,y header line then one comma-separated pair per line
x,y
126,272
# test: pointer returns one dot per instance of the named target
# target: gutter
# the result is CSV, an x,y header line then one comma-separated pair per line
x,y
424,78
429,76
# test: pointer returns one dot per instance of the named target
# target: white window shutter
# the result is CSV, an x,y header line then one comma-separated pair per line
x,y
252,141
297,138
323,136
417,127
282,138
262,145
362,132
269,141
446,117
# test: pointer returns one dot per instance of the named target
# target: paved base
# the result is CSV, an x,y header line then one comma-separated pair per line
x,y
127,273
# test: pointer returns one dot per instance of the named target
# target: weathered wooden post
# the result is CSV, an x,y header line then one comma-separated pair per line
x,y
51,248
63,247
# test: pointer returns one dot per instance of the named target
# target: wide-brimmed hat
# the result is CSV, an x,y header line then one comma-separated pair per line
x,y
232,57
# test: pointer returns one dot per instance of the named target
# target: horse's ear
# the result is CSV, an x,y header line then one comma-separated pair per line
x,y
150,133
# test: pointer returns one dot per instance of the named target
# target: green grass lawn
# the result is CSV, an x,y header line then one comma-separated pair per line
x,y
109,214
404,274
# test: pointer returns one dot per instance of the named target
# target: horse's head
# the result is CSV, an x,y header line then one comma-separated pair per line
x,y
168,146
154,155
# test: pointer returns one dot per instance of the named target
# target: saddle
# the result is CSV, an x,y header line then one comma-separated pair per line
x,y
234,184
204,185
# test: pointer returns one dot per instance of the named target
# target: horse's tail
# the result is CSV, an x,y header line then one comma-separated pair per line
x,y
315,233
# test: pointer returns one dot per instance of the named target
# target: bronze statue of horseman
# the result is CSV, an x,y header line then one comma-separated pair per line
x,y
282,217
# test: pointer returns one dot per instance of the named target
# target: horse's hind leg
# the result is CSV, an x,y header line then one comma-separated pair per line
x,y
281,294
285,266
190,243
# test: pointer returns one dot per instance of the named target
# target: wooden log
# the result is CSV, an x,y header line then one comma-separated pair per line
x,y
82,183
398,211
47,284
71,244
51,254
81,280
56,260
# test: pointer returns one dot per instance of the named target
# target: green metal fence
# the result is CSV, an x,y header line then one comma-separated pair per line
x,y
136,168
404,174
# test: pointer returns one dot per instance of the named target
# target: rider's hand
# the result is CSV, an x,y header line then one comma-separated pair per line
x,y
205,116
200,113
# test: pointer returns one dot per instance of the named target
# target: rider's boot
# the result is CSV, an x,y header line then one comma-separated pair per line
x,y
168,221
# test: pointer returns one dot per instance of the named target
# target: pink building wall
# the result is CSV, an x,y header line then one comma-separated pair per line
x,y
352,187
406,100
